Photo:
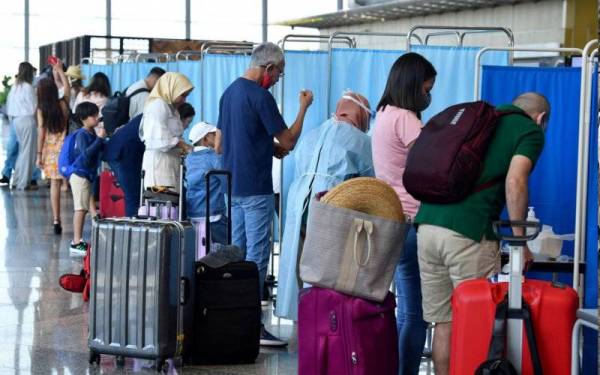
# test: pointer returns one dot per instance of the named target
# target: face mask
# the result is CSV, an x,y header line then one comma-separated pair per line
x,y
424,102
266,81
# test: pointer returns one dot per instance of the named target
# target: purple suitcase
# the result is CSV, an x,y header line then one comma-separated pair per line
x,y
166,211
200,228
343,335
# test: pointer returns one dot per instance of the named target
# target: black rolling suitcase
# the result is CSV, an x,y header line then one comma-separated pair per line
x,y
227,310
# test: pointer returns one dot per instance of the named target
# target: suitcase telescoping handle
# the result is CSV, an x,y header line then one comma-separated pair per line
x,y
142,187
515,293
499,226
181,187
227,174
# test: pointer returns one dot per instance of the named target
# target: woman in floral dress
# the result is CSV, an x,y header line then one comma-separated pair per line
x,y
52,119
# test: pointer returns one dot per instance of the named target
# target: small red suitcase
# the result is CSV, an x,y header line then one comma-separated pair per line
x,y
553,308
112,198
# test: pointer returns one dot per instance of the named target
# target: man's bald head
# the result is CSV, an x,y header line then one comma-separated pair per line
x,y
535,105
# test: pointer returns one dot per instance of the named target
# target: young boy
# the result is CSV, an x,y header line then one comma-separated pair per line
x,y
85,167
198,163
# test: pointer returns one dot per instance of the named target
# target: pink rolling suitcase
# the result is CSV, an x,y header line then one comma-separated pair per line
x,y
160,209
343,335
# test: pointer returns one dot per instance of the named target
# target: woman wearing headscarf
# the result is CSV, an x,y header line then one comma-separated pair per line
x,y
161,130
336,151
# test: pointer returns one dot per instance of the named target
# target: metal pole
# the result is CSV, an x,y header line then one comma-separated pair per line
x,y
108,27
108,17
514,329
27,30
265,23
583,161
340,5
188,19
575,359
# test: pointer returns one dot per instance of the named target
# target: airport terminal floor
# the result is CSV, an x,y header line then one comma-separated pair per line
x,y
43,329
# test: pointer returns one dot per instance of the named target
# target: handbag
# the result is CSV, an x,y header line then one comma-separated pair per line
x,y
350,251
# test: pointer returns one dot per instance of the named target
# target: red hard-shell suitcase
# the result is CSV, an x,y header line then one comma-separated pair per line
x,y
553,308
112,198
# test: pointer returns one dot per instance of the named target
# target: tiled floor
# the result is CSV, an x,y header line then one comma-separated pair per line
x,y
43,329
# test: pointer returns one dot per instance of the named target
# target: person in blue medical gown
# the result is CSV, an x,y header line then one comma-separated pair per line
x,y
337,151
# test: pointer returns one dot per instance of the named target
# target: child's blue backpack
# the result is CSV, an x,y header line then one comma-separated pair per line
x,y
67,157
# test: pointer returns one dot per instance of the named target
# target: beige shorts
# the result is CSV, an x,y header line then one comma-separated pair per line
x,y
82,191
446,259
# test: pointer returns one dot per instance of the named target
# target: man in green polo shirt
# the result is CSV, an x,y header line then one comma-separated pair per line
x,y
456,241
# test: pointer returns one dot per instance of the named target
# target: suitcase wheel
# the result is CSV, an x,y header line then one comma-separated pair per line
x,y
94,358
120,361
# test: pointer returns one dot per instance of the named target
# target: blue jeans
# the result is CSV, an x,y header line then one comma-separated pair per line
x,y
412,329
251,219
12,152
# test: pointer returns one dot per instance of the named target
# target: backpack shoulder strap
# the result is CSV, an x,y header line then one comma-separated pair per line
x,y
138,91
489,184
533,347
496,349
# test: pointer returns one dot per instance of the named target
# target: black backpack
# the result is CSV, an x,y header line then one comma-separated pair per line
x,y
496,367
116,111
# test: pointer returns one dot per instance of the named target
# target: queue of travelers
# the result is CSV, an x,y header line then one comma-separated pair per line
x,y
445,244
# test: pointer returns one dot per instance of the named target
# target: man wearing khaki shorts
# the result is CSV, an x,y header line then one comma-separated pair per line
x,y
455,241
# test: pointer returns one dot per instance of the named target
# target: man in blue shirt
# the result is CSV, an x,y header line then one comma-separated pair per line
x,y
249,120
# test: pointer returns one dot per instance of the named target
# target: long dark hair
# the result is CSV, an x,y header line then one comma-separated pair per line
x,y
405,82
100,84
25,73
48,103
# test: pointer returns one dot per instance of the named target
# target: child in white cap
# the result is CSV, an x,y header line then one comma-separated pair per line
x,y
201,160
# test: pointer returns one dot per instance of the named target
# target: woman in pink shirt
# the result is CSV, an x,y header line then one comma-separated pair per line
x,y
397,126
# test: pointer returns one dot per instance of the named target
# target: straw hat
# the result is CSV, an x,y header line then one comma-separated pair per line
x,y
368,195
74,73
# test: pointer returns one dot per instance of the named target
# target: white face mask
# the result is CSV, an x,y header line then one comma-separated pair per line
x,y
358,102
346,95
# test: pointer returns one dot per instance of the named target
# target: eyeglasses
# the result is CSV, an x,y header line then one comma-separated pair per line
x,y
281,73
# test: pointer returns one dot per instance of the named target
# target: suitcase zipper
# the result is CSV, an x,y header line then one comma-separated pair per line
x,y
348,339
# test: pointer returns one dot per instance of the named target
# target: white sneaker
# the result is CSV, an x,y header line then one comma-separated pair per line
x,y
267,339
79,249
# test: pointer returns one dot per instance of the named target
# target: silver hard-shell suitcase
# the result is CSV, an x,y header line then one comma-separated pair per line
x,y
142,270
